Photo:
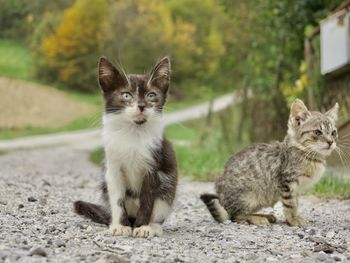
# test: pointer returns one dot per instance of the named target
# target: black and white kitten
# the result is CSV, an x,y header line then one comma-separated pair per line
x,y
141,170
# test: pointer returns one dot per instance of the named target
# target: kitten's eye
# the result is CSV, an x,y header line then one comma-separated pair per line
x,y
126,96
151,96
334,133
317,132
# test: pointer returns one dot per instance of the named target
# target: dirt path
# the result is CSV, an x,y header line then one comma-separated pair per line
x,y
37,189
90,139
25,104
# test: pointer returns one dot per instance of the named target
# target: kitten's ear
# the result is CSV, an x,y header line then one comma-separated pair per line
x,y
333,112
109,77
298,112
160,75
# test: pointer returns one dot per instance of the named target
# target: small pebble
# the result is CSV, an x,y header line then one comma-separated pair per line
x,y
60,243
39,251
32,199
322,256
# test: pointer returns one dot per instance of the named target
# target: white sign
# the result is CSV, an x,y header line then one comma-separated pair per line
x,y
335,42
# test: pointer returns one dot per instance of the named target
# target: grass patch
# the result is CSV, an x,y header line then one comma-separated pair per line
x,y
97,156
210,142
331,186
15,60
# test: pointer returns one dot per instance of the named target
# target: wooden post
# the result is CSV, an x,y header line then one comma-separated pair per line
x,y
309,68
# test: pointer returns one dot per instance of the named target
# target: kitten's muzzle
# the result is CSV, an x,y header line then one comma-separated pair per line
x,y
140,119
141,105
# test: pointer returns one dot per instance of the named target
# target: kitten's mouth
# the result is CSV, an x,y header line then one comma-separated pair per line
x,y
140,119
140,122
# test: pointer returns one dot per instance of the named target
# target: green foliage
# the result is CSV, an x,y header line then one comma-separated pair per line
x,y
19,19
67,45
15,60
12,15
276,51
97,156
203,146
74,46
332,187
151,29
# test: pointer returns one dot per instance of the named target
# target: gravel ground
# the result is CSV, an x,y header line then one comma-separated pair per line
x,y
37,224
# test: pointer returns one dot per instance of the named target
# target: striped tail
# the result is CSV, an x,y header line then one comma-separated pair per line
x,y
215,208
96,213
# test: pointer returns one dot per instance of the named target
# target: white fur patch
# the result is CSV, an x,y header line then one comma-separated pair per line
x,y
161,210
129,146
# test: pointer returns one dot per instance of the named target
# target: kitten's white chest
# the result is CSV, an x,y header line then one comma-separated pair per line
x,y
311,175
129,151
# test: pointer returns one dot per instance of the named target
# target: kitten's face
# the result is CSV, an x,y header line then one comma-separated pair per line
x,y
139,98
314,131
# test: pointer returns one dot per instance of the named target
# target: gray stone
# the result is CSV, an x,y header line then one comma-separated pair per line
x,y
322,256
295,256
271,259
60,243
311,231
330,234
339,257
32,199
38,251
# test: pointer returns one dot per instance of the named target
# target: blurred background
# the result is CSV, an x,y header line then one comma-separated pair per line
x,y
266,52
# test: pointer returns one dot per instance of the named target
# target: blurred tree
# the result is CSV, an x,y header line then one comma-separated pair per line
x,y
146,30
273,65
18,19
12,15
74,46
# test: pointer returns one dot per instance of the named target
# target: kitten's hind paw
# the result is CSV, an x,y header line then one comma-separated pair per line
x,y
254,220
120,230
296,221
150,230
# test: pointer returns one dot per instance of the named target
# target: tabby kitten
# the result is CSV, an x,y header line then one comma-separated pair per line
x,y
141,170
263,174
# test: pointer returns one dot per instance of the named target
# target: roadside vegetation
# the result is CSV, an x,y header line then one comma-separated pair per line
x,y
15,60
331,186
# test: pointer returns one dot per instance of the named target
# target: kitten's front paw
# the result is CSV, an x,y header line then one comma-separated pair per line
x,y
296,221
148,231
120,230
